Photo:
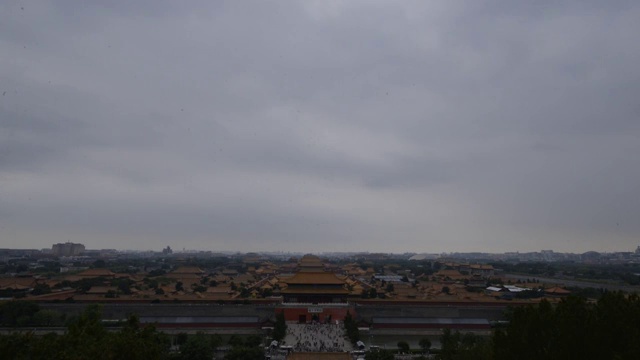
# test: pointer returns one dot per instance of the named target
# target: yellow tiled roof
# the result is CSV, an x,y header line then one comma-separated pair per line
x,y
318,278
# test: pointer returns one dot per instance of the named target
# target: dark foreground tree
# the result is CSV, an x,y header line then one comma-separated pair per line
x,y
457,346
15,313
86,338
245,353
425,344
197,347
573,329
280,328
403,346
351,328
379,355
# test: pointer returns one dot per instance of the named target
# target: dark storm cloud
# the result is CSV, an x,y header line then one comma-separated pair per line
x,y
412,126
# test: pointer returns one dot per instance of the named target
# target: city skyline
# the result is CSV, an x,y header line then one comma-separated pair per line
x,y
321,126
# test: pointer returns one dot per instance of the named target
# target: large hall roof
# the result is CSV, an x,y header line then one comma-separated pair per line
x,y
316,278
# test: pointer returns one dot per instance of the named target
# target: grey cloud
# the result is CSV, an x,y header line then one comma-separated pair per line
x,y
441,126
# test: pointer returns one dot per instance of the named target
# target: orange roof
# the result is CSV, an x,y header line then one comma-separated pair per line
x,y
557,290
187,270
101,289
454,274
316,278
56,295
17,283
482,267
310,258
219,290
15,286
310,290
97,273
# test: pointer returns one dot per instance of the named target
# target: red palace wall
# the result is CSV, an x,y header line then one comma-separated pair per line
x,y
293,314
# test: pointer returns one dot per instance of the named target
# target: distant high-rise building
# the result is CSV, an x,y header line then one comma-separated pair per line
x,y
67,249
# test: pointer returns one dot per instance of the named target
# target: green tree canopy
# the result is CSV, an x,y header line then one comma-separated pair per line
x,y
197,347
425,344
573,329
403,346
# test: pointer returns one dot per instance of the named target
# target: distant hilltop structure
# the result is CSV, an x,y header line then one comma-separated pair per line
x,y
67,249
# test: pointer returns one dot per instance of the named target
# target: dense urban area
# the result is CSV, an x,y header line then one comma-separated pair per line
x,y
69,302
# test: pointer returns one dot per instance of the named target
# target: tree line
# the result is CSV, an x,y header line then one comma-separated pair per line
x,y
86,337
575,328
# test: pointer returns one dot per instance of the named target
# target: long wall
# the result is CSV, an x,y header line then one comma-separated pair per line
x,y
368,312
122,311
262,313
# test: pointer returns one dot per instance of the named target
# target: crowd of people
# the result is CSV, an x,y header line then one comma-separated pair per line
x,y
317,337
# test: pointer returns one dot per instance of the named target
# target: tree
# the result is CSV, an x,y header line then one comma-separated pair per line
x,y
153,284
197,347
179,286
13,313
379,355
253,341
462,347
245,353
181,338
87,338
403,346
157,272
280,327
389,288
135,342
425,344
200,289
47,317
446,290
373,293
124,286
235,341
573,328
249,349
351,328
40,289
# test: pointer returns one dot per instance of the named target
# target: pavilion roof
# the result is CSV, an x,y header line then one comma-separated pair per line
x,y
188,270
310,290
315,278
97,272
557,290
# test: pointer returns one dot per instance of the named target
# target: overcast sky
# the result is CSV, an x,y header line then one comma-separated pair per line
x,y
314,126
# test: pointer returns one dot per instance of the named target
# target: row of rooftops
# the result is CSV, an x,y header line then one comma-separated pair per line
x,y
266,278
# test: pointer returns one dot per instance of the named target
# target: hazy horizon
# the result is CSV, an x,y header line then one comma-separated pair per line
x,y
321,126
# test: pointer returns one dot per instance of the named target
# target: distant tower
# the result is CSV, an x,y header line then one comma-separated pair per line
x,y
67,249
